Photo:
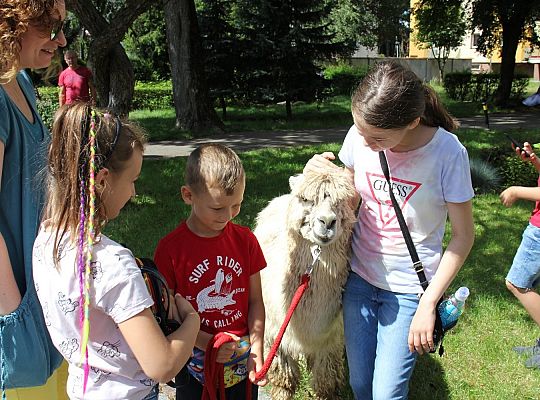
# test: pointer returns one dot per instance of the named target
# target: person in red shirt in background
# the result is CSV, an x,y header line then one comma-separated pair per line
x,y
76,82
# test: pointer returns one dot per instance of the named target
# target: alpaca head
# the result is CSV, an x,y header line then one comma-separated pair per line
x,y
320,207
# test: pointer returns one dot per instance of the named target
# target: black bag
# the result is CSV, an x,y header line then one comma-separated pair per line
x,y
438,331
158,289
155,282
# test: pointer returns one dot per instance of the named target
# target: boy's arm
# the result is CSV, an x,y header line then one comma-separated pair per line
x,y
256,315
513,193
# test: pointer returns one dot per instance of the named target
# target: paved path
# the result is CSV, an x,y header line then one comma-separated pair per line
x,y
254,140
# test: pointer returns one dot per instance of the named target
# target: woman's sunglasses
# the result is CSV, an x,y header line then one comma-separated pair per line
x,y
56,28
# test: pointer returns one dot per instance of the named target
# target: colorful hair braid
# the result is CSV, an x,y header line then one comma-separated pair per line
x,y
86,246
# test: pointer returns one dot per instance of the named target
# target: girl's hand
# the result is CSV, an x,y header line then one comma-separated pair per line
x,y
421,330
184,307
226,350
508,196
321,162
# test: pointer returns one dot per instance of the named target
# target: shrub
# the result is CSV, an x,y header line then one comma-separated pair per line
x,y
147,96
515,172
478,87
47,103
344,78
485,177
152,96
457,85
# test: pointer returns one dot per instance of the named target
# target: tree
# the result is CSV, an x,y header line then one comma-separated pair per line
x,y
503,24
284,44
194,110
353,22
113,72
220,45
440,26
146,45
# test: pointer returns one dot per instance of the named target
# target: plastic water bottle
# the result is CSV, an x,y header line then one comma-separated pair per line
x,y
451,309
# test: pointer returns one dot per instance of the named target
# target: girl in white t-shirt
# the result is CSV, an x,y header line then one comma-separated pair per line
x,y
94,299
387,323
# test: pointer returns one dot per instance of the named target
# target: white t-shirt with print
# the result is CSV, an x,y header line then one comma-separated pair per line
x,y
117,293
423,181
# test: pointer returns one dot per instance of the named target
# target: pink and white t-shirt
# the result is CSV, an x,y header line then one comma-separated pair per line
x,y
423,181
117,293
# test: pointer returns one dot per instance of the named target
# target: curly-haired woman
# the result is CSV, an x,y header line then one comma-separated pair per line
x,y
30,33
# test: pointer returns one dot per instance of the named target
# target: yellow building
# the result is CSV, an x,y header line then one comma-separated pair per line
x,y
527,59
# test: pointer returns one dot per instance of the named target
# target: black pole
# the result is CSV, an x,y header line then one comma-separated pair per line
x,y
486,116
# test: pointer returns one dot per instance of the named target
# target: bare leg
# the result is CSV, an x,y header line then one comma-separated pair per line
x,y
530,300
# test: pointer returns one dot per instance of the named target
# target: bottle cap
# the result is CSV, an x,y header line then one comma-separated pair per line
x,y
462,293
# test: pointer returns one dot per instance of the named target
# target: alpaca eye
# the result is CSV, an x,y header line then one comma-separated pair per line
x,y
305,201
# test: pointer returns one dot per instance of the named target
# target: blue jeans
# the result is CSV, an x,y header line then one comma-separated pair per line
x,y
154,394
525,270
377,326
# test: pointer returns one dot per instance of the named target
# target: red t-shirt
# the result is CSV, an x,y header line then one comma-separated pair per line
x,y
76,83
213,274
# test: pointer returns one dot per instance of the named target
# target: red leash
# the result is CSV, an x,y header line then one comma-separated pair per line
x,y
213,371
294,302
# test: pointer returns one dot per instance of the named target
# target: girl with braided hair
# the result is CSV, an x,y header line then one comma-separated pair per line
x,y
95,302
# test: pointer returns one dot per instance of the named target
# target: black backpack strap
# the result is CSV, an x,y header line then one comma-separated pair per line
x,y
417,264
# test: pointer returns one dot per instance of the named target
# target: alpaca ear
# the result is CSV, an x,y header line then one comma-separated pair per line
x,y
295,180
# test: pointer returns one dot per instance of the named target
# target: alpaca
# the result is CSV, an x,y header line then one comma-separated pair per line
x,y
317,212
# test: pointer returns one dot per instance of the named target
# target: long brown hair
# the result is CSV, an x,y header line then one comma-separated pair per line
x,y
69,162
391,96
15,17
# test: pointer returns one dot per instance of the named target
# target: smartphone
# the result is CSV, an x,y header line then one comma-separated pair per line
x,y
517,144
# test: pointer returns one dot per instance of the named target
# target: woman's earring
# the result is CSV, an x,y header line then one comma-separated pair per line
x,y
99,186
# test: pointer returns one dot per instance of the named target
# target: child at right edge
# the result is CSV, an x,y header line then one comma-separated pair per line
x,y
524,275
215,264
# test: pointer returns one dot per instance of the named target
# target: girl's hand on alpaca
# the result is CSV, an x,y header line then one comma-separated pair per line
x,y
321,163
508,196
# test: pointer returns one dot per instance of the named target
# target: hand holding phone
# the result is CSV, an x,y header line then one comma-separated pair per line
x,y
517,144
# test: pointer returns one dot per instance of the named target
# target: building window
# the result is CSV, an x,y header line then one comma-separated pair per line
x,y
474,40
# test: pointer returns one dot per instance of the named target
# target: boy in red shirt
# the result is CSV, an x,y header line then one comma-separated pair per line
x,y
215,264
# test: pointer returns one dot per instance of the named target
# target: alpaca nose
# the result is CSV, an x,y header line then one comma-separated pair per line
x,y
328,221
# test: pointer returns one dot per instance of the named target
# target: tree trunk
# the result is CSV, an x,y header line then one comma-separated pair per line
x,y
511,35
512,23
113,72
114,77
194,110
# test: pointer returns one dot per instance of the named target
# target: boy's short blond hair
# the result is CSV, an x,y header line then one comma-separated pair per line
x,y
214,165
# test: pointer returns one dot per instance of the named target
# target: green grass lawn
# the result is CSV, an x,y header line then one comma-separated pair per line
x,y
479,361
